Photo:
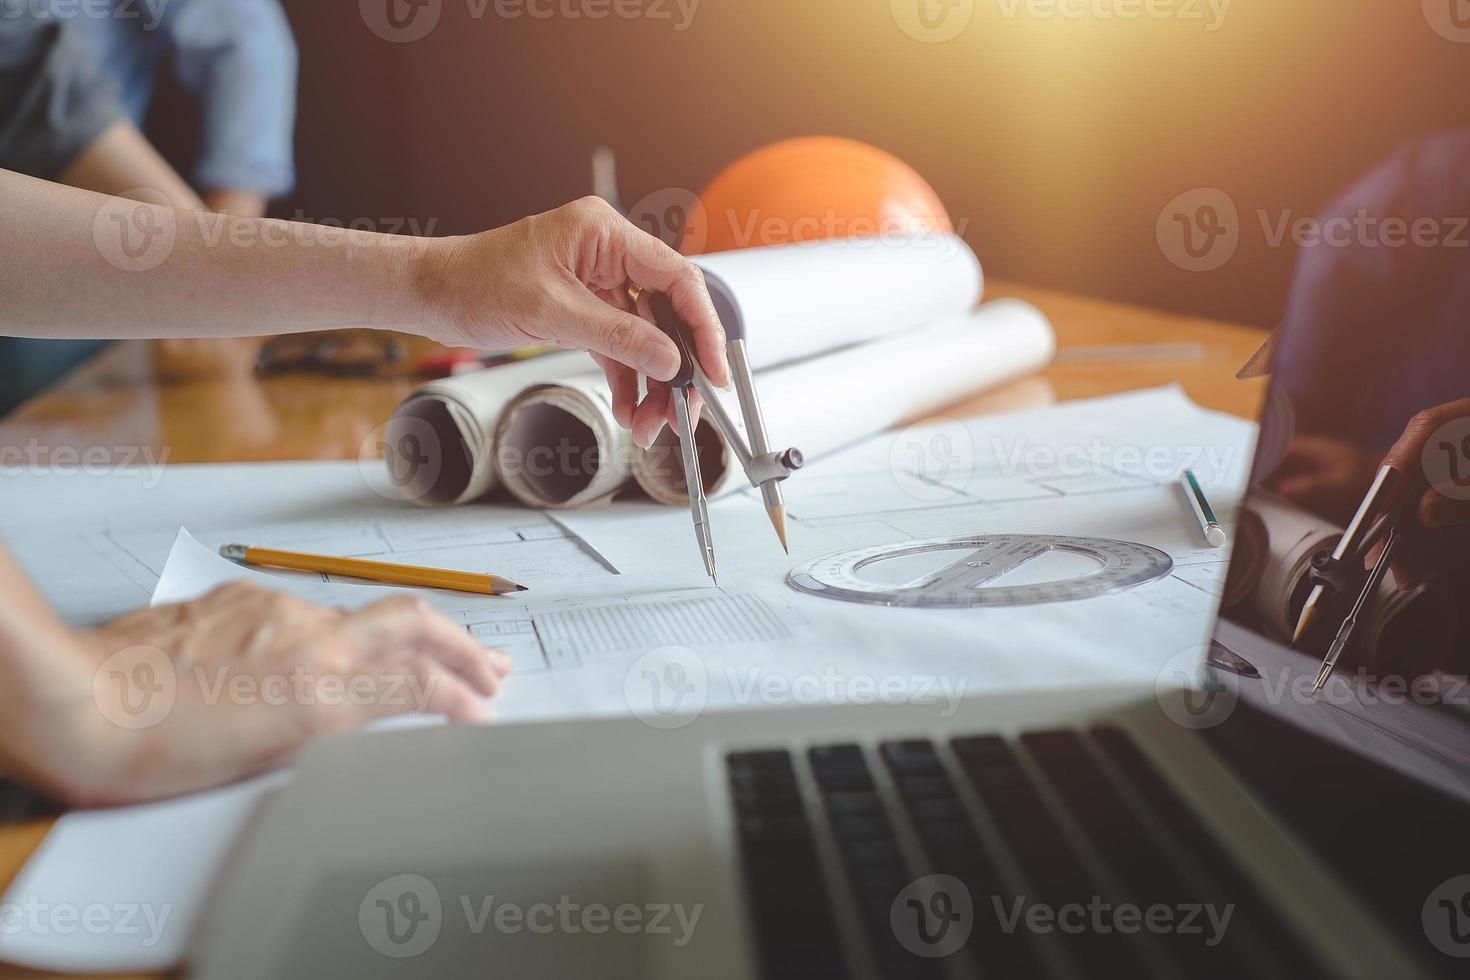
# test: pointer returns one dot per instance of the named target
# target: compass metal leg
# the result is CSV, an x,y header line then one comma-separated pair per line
x,y
698,506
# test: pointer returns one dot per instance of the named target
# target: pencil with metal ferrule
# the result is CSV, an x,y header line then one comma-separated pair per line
x,y
375,571
1209,524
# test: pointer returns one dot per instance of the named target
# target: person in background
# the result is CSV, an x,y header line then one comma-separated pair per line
x,y
237,59
62,118
1388,279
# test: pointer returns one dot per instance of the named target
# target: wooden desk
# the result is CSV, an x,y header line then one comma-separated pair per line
x,y
117,400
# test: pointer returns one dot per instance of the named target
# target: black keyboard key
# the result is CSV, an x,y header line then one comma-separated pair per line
x,y
783,805
763,780
759,773
883,851
862,828
880,878
771,760
762,829
936,810
763,785
913,788
754,793
1146,874
1256,921
1054,870
982,750
871,855
840,768
914,757
952,847
951,837
854,803
790,908
930,797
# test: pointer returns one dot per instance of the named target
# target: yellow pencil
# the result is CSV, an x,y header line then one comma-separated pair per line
x,y
376,571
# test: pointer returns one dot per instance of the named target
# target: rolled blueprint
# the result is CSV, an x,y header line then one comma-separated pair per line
x,y
558,445
440,441
788,301
826,403
793,301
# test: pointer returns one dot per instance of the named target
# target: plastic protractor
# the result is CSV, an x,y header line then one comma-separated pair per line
x,y
983,570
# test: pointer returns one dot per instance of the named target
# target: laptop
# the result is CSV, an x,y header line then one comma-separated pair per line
x,y
1221,822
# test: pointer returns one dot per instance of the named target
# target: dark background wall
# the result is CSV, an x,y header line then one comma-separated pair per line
x,y
1054,141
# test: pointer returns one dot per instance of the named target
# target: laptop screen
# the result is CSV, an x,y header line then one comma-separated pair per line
x,y
1353,389
1372,770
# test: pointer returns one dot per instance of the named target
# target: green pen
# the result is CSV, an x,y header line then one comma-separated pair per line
x,y
1214,532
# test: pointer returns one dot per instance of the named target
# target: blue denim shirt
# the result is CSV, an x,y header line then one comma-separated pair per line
x,y
53,101
237,57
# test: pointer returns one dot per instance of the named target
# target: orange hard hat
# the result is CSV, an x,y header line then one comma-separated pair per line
x,y
817,187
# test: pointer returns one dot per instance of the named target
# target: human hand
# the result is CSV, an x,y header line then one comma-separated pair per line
x,y
182,697
1323,475
1433,455
560,279
1434,452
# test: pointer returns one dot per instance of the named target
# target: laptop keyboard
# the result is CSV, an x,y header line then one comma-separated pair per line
x,y
858,861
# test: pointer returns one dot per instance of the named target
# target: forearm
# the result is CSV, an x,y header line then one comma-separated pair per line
x,y
76,264
122,161
39,662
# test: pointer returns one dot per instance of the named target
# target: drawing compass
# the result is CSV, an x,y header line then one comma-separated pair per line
x,y
1334,576
764,467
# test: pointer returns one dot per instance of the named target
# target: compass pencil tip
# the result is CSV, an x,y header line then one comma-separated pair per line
x,y
778,521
